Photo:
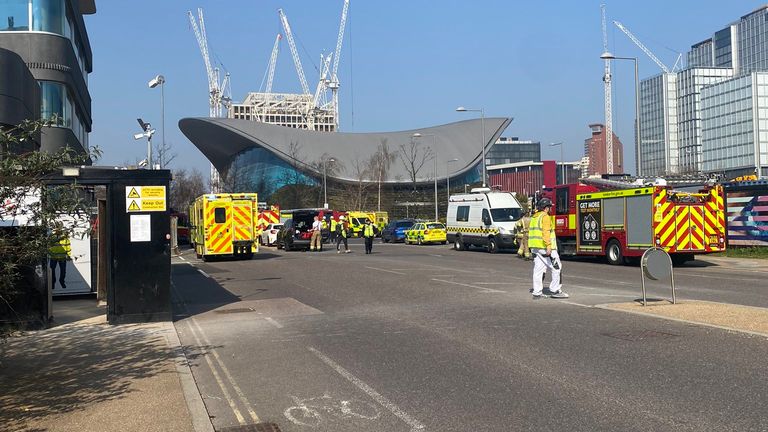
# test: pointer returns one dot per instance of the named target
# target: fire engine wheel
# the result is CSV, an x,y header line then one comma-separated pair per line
x,y
493,247
613,253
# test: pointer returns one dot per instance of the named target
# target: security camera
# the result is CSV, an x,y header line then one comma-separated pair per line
x,y
143,163
138,136
156,81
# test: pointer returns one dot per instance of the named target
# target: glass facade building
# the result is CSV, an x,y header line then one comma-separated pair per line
x,y
658,125
753,42
735,126
511,150
689,85
701,54
50,37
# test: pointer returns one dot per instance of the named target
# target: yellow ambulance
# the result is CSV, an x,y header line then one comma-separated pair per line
x,y
224,225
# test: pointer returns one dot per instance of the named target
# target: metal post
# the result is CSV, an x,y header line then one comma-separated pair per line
x,y
637,119
482,126
162,115
149,151
325,184
434,159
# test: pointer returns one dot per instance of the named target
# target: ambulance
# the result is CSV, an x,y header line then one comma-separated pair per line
x,y
223,225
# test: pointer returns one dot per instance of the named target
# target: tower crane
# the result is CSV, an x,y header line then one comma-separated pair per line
x,y
607,89
334,84
217,89
272,63
320,101
294,51
642,47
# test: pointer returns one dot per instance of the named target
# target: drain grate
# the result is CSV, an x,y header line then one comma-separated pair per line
x,y
259,427
641,335
234,310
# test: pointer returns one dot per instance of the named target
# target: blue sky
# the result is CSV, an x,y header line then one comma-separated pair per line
x,y
404,65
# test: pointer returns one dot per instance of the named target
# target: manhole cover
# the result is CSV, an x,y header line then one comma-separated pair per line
x,y
234,310
260,427
640,335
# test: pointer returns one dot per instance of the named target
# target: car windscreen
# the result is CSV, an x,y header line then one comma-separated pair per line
x,y
435,226
506,214
404,224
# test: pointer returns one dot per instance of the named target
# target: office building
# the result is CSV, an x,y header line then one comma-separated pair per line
x,y
511,149
529,177
49,39
735,126
596,154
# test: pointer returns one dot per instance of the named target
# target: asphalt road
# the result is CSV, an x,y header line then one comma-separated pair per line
x,y
426,338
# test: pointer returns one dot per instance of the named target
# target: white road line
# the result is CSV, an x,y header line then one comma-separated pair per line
x,y
219,381
383,401
483,289
182,258
385,270
204,273
574,303
273,322
224,369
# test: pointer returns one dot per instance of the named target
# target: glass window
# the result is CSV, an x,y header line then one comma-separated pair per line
x,y
462,214
506,214
14,15
48,16
220,215
435,226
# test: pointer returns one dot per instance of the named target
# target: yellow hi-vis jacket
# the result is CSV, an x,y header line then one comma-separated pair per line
x,y
368,230
541,232
61,250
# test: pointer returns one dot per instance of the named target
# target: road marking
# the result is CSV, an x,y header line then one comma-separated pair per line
x,y
224,369
273,322
383,401
483,289
435,255
182,258
574,303
219,381
204,273
385,270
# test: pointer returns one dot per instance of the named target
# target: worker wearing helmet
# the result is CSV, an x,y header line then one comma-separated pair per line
x,y
342,232
542,242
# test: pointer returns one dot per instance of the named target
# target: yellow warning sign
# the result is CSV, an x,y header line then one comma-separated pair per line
x,y
145,199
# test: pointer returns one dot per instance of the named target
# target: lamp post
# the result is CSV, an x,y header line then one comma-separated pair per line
x,y
448,175
562,162
608,56
159,80
434,162
325,183
482,127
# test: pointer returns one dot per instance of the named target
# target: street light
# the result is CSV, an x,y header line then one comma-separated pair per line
x,y
325,184
562,161
147,133
434,161
608,56
448,175
482,127
159,80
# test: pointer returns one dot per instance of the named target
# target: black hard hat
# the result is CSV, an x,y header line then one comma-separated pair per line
x,y
544,203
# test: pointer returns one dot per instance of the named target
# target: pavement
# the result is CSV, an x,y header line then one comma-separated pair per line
x,y
85,375
409,338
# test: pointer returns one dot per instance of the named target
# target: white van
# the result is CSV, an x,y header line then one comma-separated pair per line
x,y
483,218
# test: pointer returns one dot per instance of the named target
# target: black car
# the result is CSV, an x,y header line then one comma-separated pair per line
x,y
395,230
296,232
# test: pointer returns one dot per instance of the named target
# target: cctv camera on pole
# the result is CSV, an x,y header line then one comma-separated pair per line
x,y
147,133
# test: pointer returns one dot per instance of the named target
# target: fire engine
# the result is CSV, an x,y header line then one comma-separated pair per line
x,y
620,221
266,216
224,225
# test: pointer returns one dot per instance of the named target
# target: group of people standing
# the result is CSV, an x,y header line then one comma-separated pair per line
x,y
340,232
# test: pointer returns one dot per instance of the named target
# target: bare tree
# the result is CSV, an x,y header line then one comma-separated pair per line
x,y
413,156
185,187
328,166
165,154
379,165
358,189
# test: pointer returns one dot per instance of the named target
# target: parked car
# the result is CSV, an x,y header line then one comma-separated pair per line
x,y
269,235
395,230
297,231
426,232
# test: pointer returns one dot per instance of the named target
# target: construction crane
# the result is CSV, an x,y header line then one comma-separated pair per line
x,y
643,47
294,51
334,84
272,63
217,89
607,89
320,101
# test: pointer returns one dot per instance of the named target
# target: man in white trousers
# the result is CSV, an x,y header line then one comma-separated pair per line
x,y
543,245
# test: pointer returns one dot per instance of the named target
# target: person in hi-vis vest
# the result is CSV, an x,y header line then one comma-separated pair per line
x,y
60,252
369,232
542,242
